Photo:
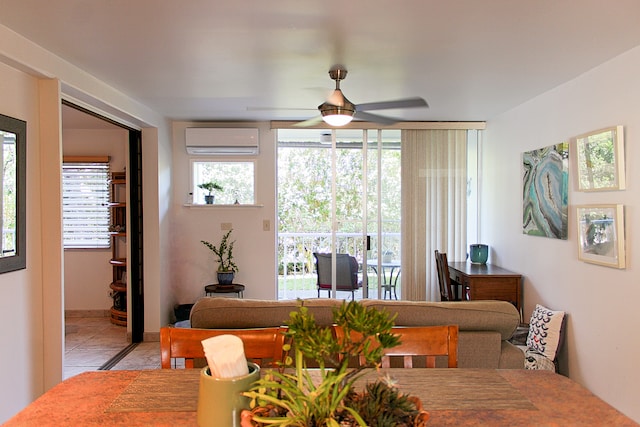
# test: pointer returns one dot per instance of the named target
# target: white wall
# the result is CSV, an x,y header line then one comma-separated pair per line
x,y
602,346
156,170
87,272
32,302
21,295
191,263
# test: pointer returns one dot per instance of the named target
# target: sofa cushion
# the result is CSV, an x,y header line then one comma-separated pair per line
x,y
499,316
511,357
479,350
229,313
322,309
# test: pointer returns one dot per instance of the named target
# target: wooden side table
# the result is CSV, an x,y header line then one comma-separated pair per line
x,y
216,288
486,281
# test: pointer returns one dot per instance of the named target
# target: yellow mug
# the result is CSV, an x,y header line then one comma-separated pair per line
x,y
220,400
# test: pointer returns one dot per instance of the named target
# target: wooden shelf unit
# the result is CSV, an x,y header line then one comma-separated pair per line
x,y
118,261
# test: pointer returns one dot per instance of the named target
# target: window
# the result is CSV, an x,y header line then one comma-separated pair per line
x,y
237,179
85,204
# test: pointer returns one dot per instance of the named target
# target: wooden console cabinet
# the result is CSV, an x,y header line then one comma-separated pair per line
x,y
486,282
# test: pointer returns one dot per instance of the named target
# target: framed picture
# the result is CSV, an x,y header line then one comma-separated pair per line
x,y
601,235
545,189
600,160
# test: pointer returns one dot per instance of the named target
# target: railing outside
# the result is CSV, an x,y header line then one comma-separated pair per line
x,y
296,265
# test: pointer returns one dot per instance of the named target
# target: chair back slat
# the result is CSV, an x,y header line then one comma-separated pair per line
x,y
429,342
186,343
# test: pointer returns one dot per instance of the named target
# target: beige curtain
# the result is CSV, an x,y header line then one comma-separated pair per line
x,y
434,206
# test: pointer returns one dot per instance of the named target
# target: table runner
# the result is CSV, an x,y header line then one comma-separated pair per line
x,y
473,389
162,390
177,391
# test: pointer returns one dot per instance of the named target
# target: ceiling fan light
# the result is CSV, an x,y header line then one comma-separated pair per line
x,y
337,119
334,115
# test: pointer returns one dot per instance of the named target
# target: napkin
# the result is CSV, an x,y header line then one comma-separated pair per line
x,y
225,356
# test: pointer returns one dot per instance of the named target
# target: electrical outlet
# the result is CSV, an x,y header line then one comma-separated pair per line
x,y
266,225
226,226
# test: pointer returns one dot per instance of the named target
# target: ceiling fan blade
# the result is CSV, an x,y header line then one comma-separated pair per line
x,y
399,103
278,109
361,115
310,122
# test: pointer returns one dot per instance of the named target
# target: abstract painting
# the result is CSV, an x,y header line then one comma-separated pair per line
x,y
545,191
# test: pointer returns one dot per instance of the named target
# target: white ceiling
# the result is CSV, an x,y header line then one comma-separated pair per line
x,y
221,60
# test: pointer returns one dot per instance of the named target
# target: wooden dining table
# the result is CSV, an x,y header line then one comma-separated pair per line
x,y
453,397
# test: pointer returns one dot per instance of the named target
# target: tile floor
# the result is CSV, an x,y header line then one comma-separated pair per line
x,y
90,342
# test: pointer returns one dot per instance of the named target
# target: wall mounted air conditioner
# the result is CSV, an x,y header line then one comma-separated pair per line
x,y
222,141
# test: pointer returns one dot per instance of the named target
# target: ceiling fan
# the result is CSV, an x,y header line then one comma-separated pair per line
x,y
337,110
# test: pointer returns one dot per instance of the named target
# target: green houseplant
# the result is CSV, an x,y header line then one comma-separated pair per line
x,y
224,257
210,186
325,397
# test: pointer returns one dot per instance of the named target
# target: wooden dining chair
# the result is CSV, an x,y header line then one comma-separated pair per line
x,y
429,342
262,346
444,279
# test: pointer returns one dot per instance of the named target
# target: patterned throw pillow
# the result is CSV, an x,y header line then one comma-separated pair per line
x,y
535,360
545,329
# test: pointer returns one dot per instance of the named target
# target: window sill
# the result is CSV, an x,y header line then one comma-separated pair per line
x,y
235,206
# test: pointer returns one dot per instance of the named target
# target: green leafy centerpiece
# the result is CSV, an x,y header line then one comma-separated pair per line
x,y
224,257
324,397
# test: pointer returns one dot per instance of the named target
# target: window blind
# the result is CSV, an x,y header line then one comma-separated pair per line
x,y
85,204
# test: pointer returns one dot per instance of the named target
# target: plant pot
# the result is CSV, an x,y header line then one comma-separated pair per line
x,y
225,277
208,199
247,416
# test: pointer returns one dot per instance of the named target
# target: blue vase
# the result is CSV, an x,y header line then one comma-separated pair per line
x,y
479,253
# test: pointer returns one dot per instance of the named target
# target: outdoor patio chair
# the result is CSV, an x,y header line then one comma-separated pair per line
x,y
346,273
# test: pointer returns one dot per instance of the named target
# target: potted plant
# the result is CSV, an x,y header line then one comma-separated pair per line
x,y
210,186
326,396
224,253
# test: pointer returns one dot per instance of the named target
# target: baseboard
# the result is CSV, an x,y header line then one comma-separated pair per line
x,y
86,313
146,337
151,336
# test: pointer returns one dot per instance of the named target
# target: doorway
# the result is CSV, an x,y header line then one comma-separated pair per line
x,y
87,126
339,192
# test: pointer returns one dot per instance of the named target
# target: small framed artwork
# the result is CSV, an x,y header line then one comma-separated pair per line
x,y
600,160
601,235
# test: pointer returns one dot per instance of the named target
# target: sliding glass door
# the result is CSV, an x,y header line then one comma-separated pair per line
x,y
339,193
383,213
